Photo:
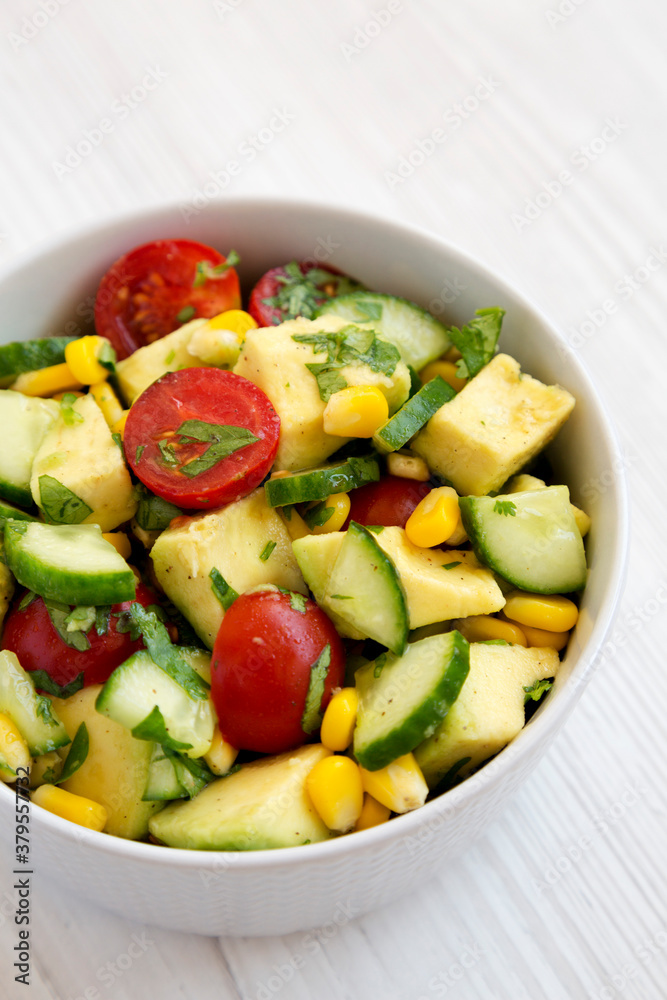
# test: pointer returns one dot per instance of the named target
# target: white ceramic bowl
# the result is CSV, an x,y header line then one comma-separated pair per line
x,y
274,892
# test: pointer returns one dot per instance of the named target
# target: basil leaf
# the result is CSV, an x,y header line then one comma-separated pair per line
x,y
193,774
477,340
102,619
223,439
168,453
27,599
43,707
318,515
81,619
267,550
59,504
452,565
154,513
76,755
329,380
153,728
222,590
312,714
165,655
45,683
59,613
297,602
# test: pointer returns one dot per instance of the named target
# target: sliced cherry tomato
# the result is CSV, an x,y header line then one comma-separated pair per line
x,y
296,289
31,634
269,645
389,501
201,437
158,286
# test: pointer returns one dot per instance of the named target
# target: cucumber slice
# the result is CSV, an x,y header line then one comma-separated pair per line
x,y
143,698
413,415
418,335
27,419
318,484
366,591
30,355
162,783
70,563
7,510
402,700
31,712
530,539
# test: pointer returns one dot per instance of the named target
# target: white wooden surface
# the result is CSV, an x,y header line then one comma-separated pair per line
x,y
565,896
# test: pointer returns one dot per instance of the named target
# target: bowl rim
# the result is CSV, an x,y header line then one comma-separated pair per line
x,y
549,717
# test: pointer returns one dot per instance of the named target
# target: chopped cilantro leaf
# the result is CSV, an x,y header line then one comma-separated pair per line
x,y
505,507
477,340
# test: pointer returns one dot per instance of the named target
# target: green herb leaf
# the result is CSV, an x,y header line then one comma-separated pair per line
x,y
505,507
102,618
154,513
154,728
297,602
193,774
329,380
318,515
349,346
106,356
41,680
43,707
124,623
477,340
222,590
165,655
536,690
70,415
205,271
341,597
139,452
452,565
267,550
379,664
312,714
377,529
168,453
76,755
185,314
302,294
117,439
370,310
81,619
223,440
27,599
59,504
59,614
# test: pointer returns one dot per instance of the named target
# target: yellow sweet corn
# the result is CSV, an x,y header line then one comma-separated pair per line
x,y
75,808
295,524
236,320
82,358
400,786
408,466
334,787
542,638
435,518
551,612
13,749
341,508
120,542
47,381
446,370
582,520
108,402
356,411
222,754
339,719
482,628
372,814
119,426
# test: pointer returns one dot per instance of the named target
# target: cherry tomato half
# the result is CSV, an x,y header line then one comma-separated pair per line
x,y
261,668
389,501
158,286
296,289
31,634
201,437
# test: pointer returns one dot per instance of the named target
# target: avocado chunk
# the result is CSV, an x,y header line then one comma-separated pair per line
x,y
263,805
148,363
493,427
236,540
489,711
115,771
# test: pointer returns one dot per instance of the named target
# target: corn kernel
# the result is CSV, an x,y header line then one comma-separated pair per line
x,y
236,320
340,503
339,719
400,786
582,520
408,466
14,751
119,426
483,628
372,814
435,518
551,612
75,808
334,786
82,357
446,370
47,381
357,412
542,638
120,542
222,754
108,402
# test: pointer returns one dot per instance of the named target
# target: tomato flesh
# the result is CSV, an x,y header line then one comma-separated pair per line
x,y
389,501
158,454
150,291
296,289
31,634
261,668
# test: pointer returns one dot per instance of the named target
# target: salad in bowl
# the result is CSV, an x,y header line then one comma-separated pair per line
x,y
278,566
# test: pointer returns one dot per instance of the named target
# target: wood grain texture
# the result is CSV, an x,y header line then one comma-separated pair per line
x,y
565,896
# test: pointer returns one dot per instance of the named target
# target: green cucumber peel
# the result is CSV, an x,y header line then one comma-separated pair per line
x,y
166,655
